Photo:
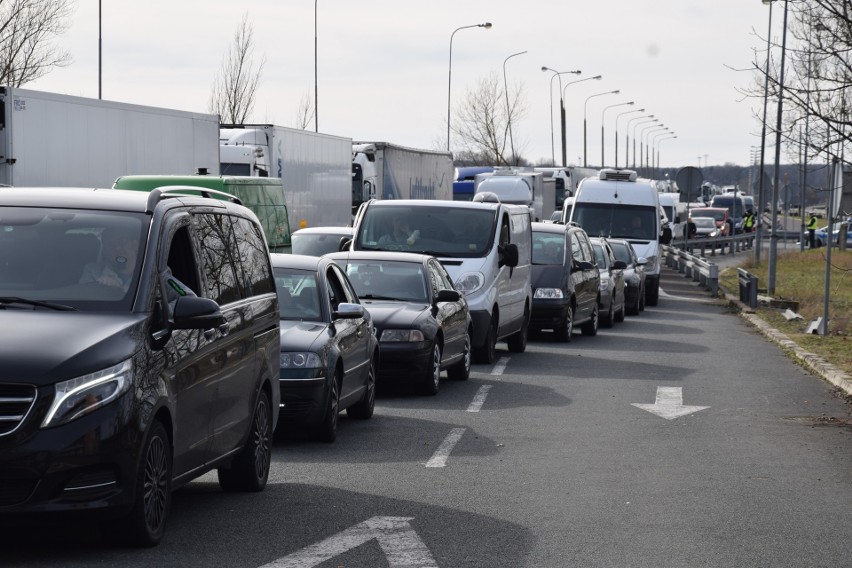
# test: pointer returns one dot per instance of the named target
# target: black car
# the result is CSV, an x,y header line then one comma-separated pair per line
x,y
612,303
422,321
565,280
329,351
139,351
634,275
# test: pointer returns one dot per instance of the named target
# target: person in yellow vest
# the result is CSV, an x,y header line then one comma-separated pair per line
x,y
748,223
812,225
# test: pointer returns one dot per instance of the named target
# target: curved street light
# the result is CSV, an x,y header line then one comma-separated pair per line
x,y
561,109
487,26
603,112
618,116
627,140
635,126
565,90
646,136
508,109
653,143
585,105
670,136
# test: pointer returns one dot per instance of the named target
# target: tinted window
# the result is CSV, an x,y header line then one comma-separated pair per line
x,y
298,294
254,259
621,252
380,279
600,256
317,244
548,248
219,260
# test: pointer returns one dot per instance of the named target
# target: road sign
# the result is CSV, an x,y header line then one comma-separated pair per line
x,y
689,182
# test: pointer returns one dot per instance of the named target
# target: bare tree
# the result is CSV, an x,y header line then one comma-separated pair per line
x,y
27,28
482,121
305,112
235,88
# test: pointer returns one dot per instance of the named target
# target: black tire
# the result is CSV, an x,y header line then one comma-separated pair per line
x,y
619,315
327,429
642,299
430,382
487,353
517,342
652,294
633,308
364,408
461,371
608,320
590,328
146,523
566,328
249,470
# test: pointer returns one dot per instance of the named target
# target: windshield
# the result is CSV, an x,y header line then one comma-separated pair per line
x,y
317,244
638,222
621,252
600,258
434,230
548,248
387,280
88,260
298,294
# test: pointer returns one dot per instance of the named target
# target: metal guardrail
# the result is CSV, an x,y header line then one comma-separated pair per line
x,y
698,268
748,287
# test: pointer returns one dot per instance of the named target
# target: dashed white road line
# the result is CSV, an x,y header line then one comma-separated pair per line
x,y
439,458
500,366
479,398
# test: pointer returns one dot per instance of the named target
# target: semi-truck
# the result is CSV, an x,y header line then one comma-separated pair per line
x,y
521,187
381,170
50,139
315,168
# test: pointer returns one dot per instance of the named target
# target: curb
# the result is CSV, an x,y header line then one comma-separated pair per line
x,y
813,362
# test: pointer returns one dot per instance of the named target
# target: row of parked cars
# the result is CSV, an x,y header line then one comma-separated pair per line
x,y
151,336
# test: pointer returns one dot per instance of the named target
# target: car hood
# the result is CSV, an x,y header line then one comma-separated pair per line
x,y
547,276
44,347
301,335
387,314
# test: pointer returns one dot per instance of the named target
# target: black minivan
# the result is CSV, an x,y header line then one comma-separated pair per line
x,y
139,350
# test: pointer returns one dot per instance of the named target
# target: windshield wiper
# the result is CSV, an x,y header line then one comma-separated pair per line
x,y
375,297
8,300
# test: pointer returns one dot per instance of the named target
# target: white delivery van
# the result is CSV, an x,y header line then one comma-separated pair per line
x,y
616,205
486,247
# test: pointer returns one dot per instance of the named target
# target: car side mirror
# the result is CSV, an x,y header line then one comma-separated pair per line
x,y
584,265
447,296
641,261
619,265
192,312
345,243
510,255
348,311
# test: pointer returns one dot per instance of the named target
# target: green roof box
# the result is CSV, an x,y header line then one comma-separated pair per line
x,y
263,195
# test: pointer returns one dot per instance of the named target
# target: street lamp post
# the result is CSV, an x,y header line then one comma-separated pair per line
x,y
773,236
603,112
650,120
758,230
627,140
619,115
643,144
561,109
665,132
508,108
670,136
487,26
595,78
585,130
316,88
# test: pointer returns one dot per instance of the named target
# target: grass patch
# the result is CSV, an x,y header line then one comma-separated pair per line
x,y
800,276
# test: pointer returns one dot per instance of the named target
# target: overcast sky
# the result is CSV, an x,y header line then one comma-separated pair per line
x,y
383,66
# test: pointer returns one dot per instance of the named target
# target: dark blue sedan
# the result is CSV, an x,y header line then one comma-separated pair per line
x,y
329,351
422,321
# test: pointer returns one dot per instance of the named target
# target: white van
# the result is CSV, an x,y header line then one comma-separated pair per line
x,y
486,248
616,205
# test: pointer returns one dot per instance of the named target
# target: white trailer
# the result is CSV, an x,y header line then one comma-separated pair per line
x,y
49,139
315,169
522,187
381,170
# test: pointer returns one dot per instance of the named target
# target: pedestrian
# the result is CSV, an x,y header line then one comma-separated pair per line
x,y
748,222
812,225
692,230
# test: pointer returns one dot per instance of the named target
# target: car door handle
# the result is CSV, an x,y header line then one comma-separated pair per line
x,y
209,334
224,329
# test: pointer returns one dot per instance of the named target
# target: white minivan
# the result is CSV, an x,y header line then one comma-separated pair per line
x,y
616,205
486,248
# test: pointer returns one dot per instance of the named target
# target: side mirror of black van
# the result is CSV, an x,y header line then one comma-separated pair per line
x,y
510,255
192,312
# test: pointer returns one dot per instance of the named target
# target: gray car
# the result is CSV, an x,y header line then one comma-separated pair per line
x,y
612,305
634,275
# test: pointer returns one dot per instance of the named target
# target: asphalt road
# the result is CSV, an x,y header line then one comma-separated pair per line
x,y
545,460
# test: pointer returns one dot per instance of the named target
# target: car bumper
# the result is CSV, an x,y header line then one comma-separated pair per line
x,y
403,361
303,399
87,466
547,314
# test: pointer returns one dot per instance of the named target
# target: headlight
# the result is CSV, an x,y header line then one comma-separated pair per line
x,y
300,360
402,335
548,293
77,397
469,282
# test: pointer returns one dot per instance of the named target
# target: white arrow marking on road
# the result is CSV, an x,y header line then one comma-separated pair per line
x,y
669,404
401,545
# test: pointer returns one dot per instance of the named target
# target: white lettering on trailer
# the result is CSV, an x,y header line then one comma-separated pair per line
x,y
669,404
439,458
400,544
